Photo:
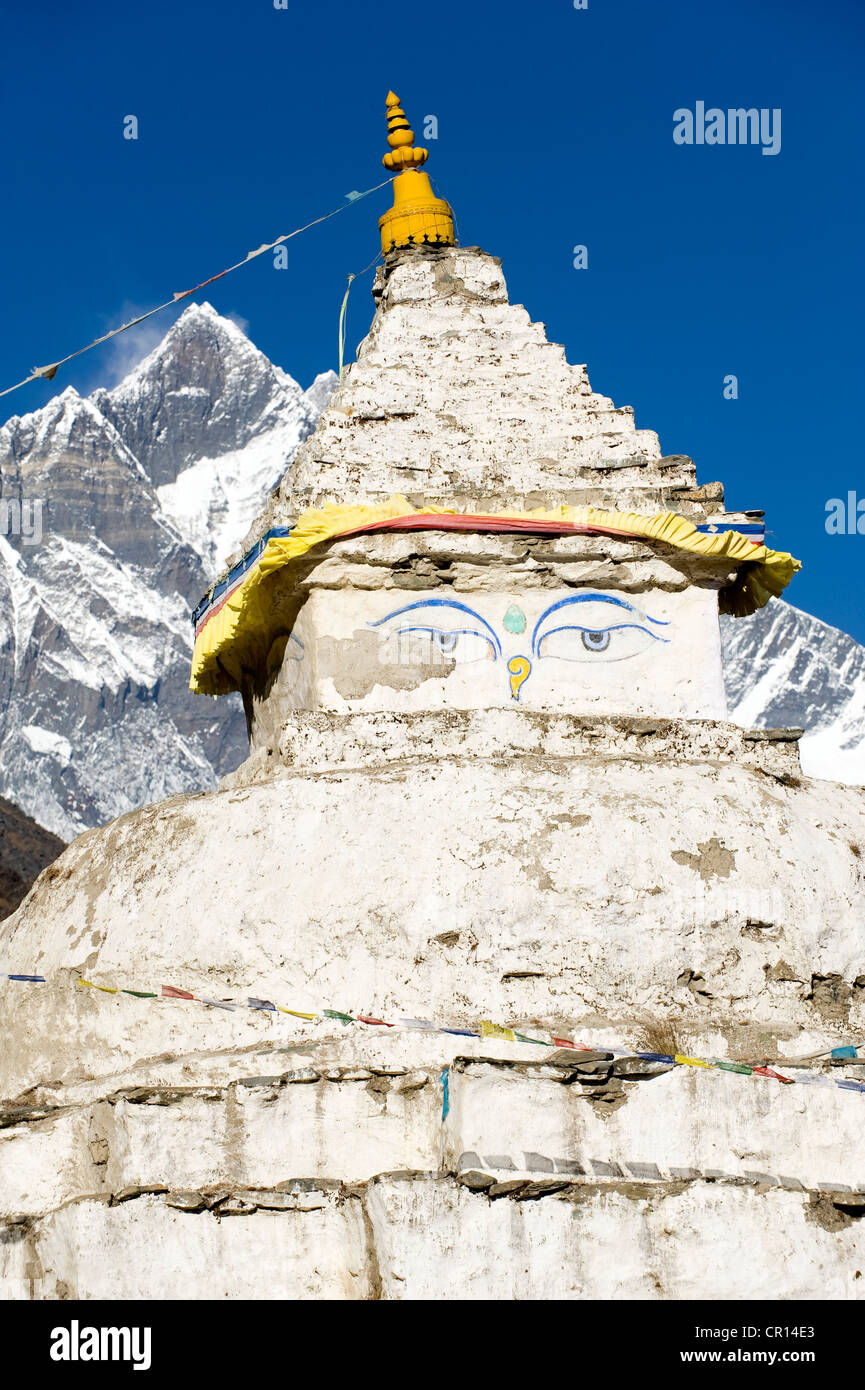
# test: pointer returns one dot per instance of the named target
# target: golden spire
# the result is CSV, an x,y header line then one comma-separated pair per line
x,y
417,217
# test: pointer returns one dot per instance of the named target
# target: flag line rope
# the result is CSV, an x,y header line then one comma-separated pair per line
x,y
48,372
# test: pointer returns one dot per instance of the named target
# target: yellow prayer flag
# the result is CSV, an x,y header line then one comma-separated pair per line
x,y
90,985
495,1030
689,1061
295,1013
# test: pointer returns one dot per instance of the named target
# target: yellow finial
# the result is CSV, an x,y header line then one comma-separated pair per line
x,y
400,137
417,217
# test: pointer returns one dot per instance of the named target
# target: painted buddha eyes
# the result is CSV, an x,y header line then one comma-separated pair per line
x,y
587,627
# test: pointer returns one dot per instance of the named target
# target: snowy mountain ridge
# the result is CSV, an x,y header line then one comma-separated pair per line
x,y
146,489
785,669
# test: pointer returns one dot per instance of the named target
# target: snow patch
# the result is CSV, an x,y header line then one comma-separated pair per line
x,y
45,741
213,503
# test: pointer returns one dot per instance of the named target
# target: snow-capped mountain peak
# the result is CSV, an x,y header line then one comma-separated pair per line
x,y
146,489
67,424
319,393
204,391
785,669
198,329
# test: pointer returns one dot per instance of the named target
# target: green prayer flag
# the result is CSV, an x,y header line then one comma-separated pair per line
x,y
521,1037
735,1066
334,1013
139,994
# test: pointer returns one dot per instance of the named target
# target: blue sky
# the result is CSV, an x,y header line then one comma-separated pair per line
x,y
555,129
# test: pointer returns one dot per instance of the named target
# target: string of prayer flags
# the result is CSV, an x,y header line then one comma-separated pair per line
x,y
501,1032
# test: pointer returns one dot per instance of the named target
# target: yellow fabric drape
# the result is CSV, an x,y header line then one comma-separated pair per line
x,y
238,636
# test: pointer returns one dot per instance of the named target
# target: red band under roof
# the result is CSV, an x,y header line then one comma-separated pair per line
x,y
459,521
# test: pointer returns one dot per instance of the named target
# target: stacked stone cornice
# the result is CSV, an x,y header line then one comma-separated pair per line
x,y
457,397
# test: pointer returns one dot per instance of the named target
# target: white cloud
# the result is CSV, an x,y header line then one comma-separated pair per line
x,y
116,358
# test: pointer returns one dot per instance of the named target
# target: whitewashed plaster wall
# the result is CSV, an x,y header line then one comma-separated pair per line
x,y
483,881
647,883
409,1238
197,1183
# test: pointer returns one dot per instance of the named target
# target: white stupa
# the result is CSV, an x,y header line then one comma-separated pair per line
x,y
456,988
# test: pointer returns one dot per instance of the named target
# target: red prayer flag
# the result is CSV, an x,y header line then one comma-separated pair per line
x,y
169,992
577,1047
767,1071
362,1018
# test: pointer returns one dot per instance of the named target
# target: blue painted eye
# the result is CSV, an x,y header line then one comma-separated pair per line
x,y
600,640
430,646
285,660
615,643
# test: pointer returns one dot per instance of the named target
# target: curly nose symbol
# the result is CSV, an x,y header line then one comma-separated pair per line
x,y
518,669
